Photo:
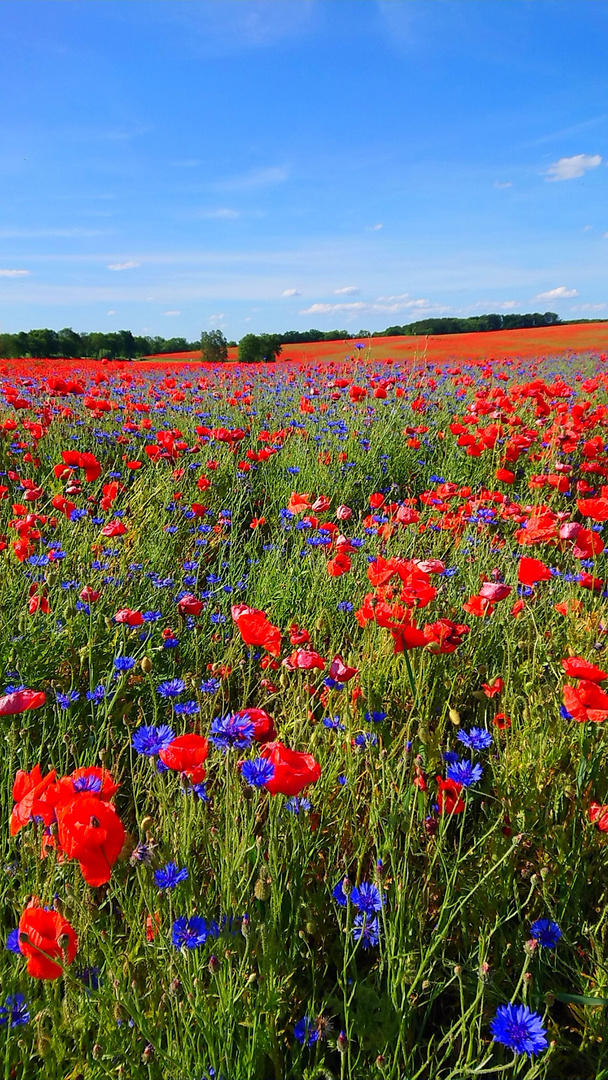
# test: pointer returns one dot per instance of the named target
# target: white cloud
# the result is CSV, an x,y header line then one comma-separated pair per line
x,y
256,178
222,212
501,184
14,273
374,228
605,235
363,308
561,293
291,292
570,168
216,318
587,307
348,290
112,312
171,312
123,265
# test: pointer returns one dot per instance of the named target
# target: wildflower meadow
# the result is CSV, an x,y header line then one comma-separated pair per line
x,y
304,694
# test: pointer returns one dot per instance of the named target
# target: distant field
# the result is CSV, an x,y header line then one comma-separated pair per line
x,y
500,344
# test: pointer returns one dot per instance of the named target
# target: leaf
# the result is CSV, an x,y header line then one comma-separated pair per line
x,y
580,999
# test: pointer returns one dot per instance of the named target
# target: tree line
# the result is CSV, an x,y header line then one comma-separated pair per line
x,y
252,347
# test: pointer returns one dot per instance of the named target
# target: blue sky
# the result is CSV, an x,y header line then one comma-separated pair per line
x,y
176,166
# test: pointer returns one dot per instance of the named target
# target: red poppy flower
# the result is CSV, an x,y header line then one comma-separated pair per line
x,y
48,941
586,702
502,721
256,629
448,796
304,660
494,688
594,508
444,636
531,571
186,755
293,771
598,814
91,831
263,724
339,565
479,606
21,701
577,668
189,605
128,617
340,671
494,591
28,790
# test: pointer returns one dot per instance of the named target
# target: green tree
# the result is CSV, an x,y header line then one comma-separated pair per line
x,y
214,347
256,347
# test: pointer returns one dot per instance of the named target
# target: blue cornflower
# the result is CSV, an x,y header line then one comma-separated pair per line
x,y
346,606
90,978
12,942
169,876
150,740
476,738
97,695
298,804
257,772
88,782
152,616
521,1030
305,1031
464,772
65,700
375,716
340,896
14,688
367,898
366,930
365,738
210,686
14,1012
124,663
190,933
228,732
546,932
333,722
171,688
199,791
186,708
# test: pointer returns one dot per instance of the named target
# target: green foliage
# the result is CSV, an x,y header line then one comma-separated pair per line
x,y
256,347
214,347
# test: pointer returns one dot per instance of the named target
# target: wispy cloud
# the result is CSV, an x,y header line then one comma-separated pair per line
x,y
348,290
14,273
503,183
267,176
221,212
587,307
363,308
570,168
291,292
216,318
111,312
561,293
171,312
123,265
375,228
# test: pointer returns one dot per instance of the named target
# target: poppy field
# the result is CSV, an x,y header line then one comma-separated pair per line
x,y
303,706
